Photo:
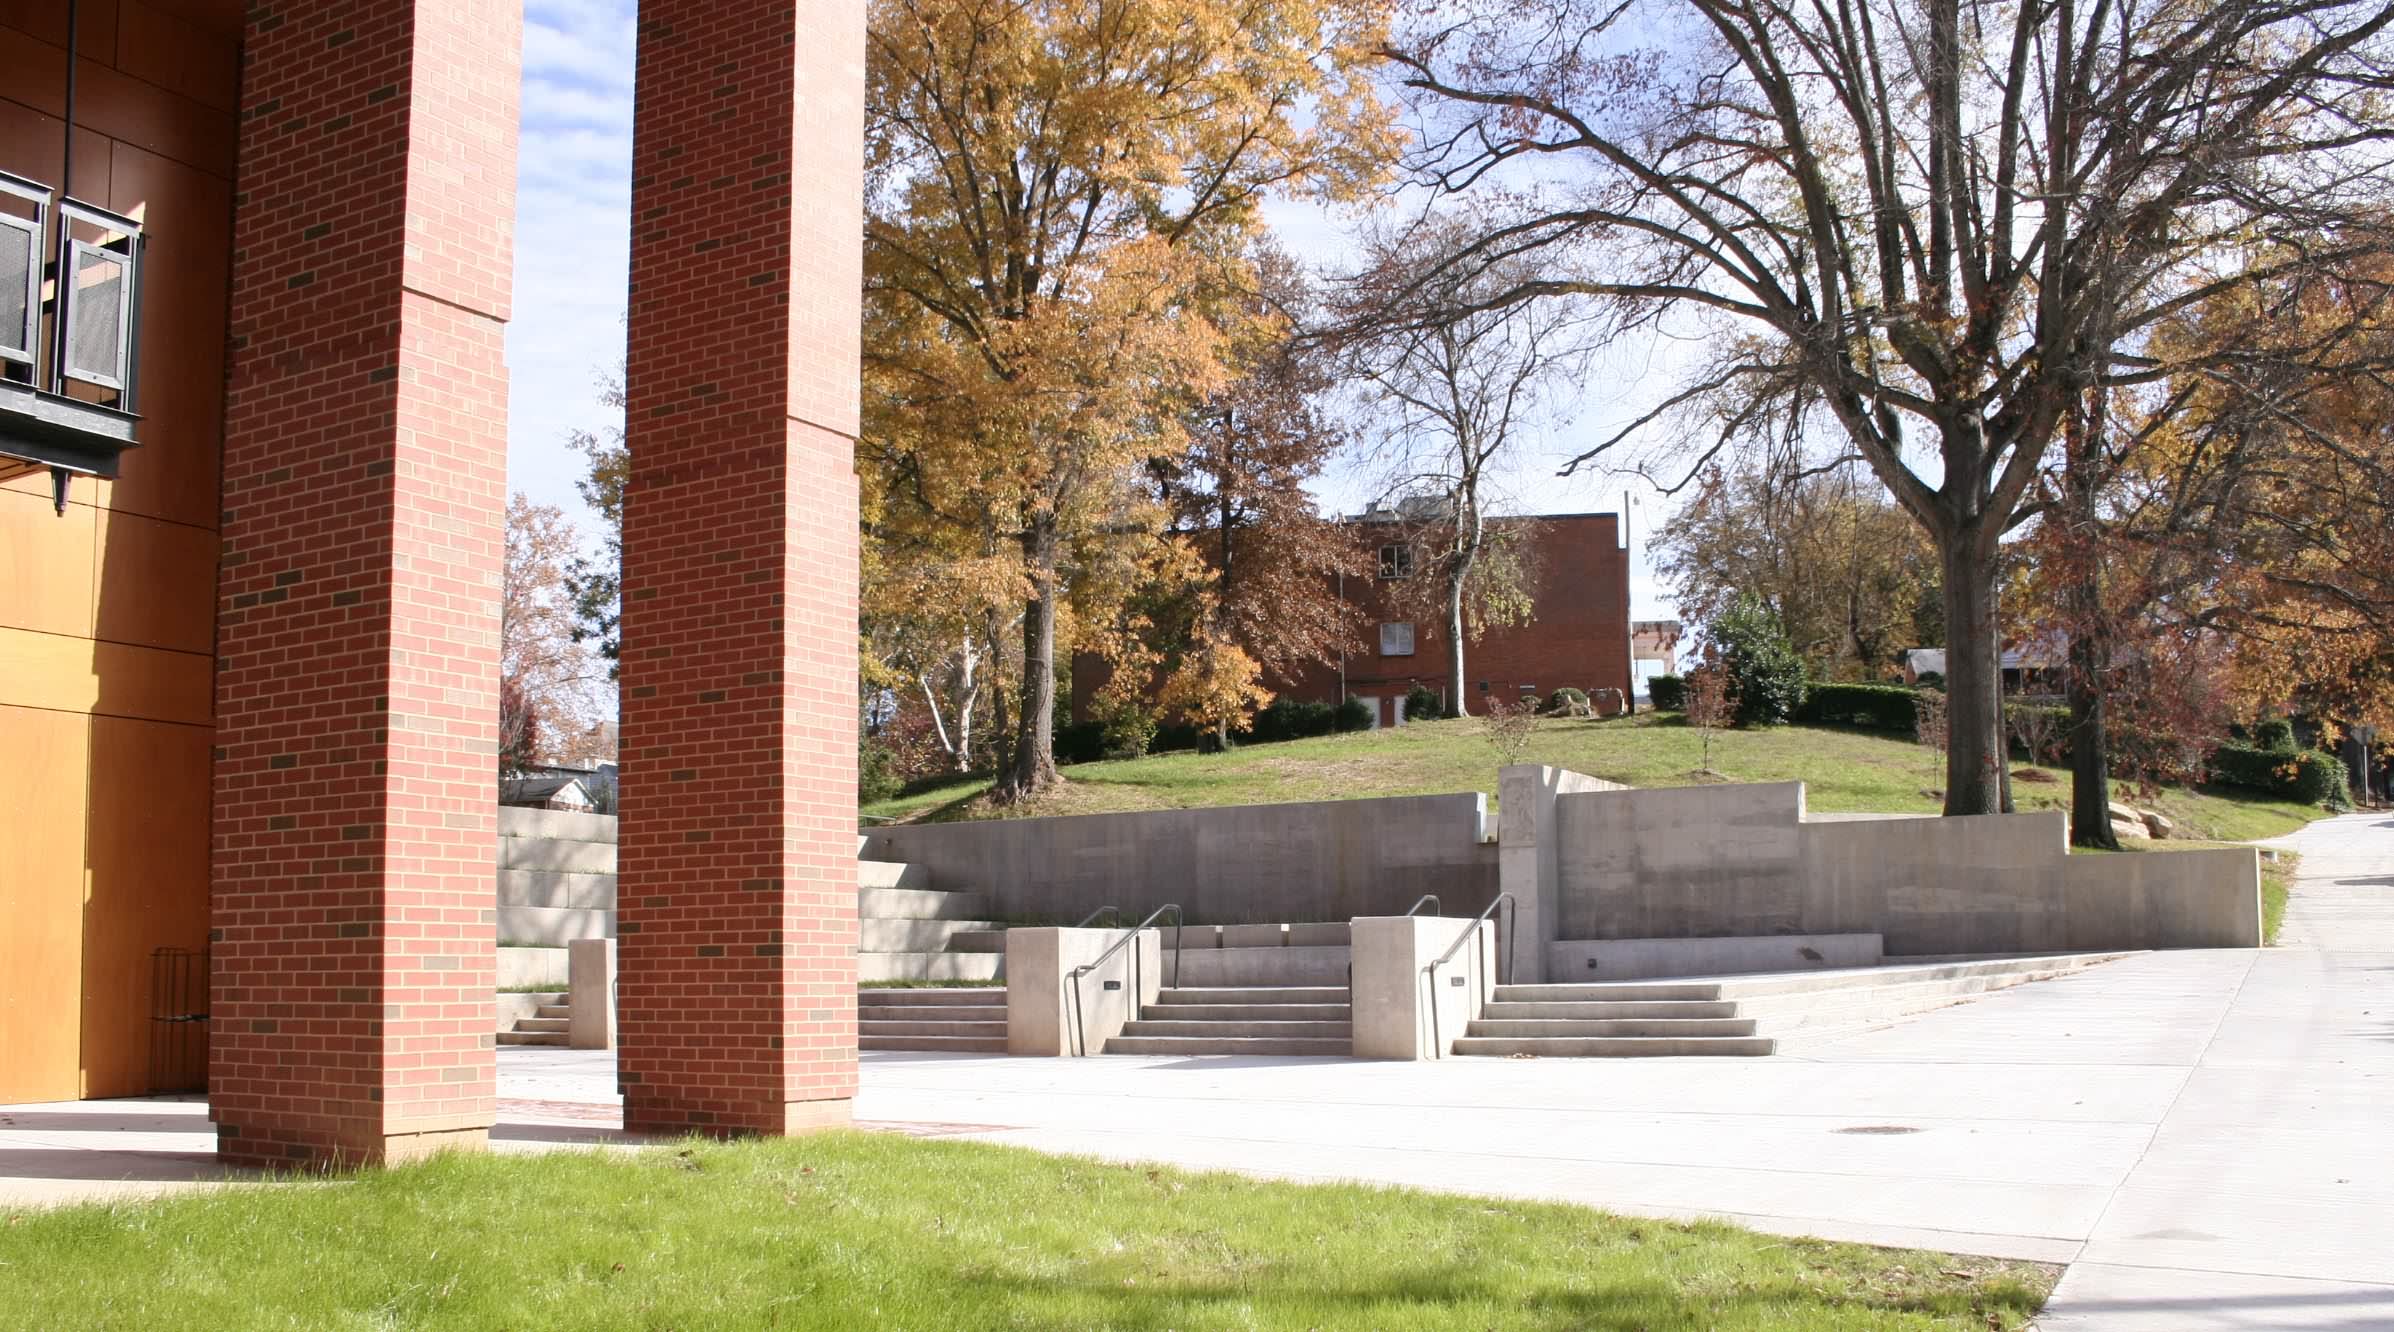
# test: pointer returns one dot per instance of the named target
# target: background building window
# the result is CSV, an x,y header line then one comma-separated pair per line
x,y
1396,561
1396,640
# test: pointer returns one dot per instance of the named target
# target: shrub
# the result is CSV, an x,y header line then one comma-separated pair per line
x,y
1421,704
2275,735
1568,702
2307,776
1668,693
2039,729
1080,742
1292,719
1354,715
1879,707
1173,735
1765,672
1932,679
1128,733
877,776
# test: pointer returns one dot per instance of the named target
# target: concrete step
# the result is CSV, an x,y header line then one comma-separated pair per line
x,y
918,904
921,936
1740,988
554,1011
928,964
533,1038
1613,1047
891,874
1237,1030
935,1044
977,996
978,940
1247,1012
1553,1027
1254,994
543,1024
1603,1010
1223,1045
869,1013
930,1027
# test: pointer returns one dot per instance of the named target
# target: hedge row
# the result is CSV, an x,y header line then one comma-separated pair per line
x,y
1285,719
2307,776
1880,707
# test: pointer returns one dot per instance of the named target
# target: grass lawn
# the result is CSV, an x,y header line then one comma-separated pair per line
x,y
1844,771
851,1231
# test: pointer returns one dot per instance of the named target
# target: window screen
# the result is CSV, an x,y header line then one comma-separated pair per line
x,y
96,300
20,289
1396,640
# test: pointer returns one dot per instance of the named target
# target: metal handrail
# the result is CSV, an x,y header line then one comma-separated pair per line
x,y
1429,900
1109,909
1079,1012
1503,956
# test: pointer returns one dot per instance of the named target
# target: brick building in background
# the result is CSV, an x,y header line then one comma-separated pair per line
x,y
255,270
1578,635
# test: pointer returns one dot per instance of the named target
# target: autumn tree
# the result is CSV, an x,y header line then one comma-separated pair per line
x,y
1266,604
595,579
555,703
1845,569
1058,196
1459,382
1935,223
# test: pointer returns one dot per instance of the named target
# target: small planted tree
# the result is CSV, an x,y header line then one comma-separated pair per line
x,y
1711,706
1510,727
1930,725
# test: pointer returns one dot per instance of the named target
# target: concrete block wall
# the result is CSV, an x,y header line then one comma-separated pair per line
x,y
556,876
1743,861
1242,864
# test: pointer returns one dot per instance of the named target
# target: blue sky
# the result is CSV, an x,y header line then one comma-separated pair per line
x,y
572,257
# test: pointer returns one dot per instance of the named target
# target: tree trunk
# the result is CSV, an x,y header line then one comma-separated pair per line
x,y
999,735
1974,755
1454,645
1033,771
2090,749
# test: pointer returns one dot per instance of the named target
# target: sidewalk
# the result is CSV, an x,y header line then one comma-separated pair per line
x,y
2266,1197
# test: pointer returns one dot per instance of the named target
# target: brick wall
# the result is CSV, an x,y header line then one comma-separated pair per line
x,y
364,480
737,861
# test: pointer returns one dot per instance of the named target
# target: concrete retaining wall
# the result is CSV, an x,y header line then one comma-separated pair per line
x,y
1046,1015
1401,1008
1243,864
532,966
1647,959
556,876
1742,860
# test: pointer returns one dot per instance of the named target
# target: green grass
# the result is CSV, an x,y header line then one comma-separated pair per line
x,y
854,1231
1844,771
534,988
931,985
2277,879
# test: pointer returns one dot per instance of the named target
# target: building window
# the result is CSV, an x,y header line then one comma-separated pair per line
x,y
24,213
1396,640
1396,561
1483,686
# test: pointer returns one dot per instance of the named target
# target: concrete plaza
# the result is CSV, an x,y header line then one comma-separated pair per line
x,y
2206,1137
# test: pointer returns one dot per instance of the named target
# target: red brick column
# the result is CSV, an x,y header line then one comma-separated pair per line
x,y
364,488
736,874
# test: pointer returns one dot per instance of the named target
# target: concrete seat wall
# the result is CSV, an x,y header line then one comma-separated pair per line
x,y
1323,861
1741,861
556,876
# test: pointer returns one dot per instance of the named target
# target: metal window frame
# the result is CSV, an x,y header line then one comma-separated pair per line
x,y
36,231
128,310
1385,626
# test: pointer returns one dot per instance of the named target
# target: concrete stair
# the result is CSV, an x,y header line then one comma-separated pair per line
x,y
950,1021
1248,1020
1741,1015
550,1024
908,930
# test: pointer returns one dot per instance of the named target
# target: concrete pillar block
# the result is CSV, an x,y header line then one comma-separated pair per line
x,y
1047,1015
590,986
1407,1004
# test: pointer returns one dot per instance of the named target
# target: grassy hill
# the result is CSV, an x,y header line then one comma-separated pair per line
x,y
1844,771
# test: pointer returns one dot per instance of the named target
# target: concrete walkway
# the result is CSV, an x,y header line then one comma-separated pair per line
x,y
2266,1196
2207,1137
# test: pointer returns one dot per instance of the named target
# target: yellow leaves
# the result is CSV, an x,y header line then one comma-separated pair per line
x,y
1217,684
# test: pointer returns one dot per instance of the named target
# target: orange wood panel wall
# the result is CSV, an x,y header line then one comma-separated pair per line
x,y
107,615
